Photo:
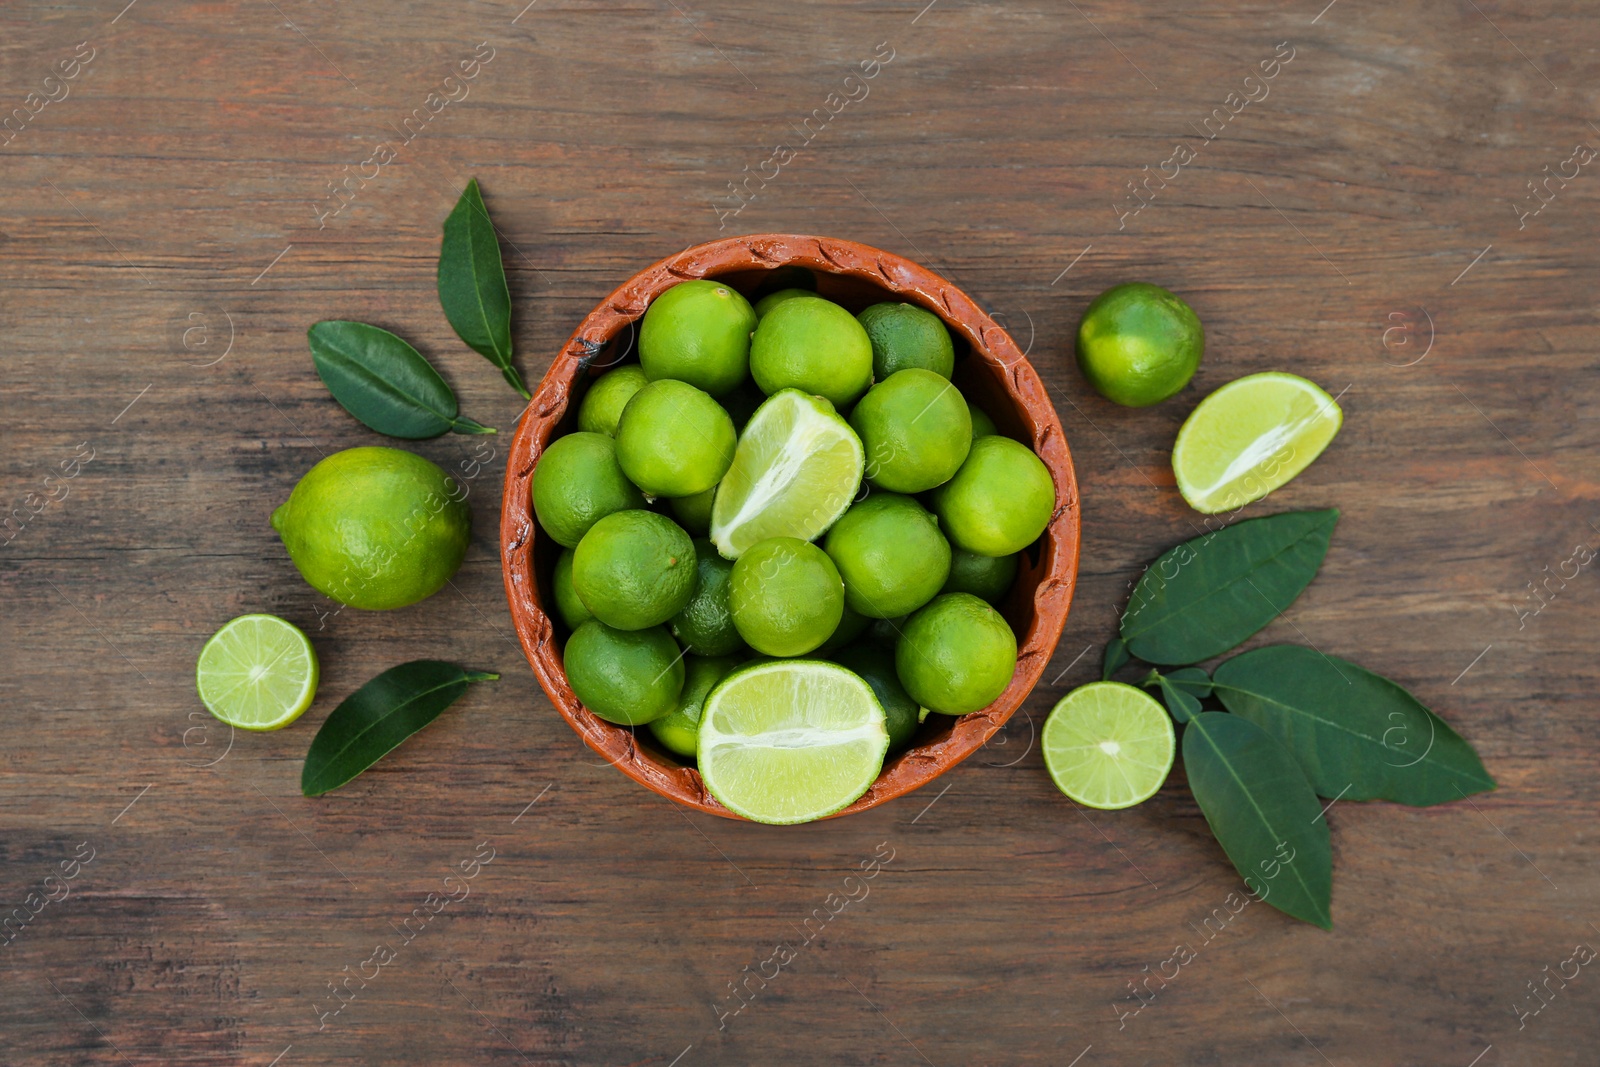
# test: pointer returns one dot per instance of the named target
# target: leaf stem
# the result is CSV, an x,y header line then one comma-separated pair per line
x,y
515,379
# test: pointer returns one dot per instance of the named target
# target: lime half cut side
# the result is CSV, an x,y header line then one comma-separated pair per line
x,y
788,741
1250,437
796,469
257,673
1108,745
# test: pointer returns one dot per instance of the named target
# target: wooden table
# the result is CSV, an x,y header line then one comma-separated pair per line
x,y
171,226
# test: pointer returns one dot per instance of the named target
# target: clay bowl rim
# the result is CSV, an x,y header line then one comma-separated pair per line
x,y
993,354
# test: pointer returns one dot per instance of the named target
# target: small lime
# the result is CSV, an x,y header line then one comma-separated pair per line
x,y
257,673
890,552
903,336
815,346
694,512
982,424
375,528
705,625
876,665
577,483
957,655
885,633
985,577
678,729
772,300
628,677
1108,745
851,625
571,609
603,403
742,403
674,440
1000,500
916,431
787,597
634,569
698,332
1139,344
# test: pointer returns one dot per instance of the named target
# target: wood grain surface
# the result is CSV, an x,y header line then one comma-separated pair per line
x,y
171,225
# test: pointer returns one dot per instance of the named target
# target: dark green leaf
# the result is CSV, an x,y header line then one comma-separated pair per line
x,y
1207,595
1263,812
472,283
384,382
1116,655
1181,704
375,719
1192,680
1356,734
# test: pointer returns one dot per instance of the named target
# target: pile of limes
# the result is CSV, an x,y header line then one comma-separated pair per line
x,y
785,532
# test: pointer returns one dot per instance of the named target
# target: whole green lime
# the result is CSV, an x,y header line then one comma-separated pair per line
x,y
628,677
884,633
603,403
634,569
904,335
772,300
571,609
982,424
705,625
694,512
988,578
674,440
786,595
890,552
678,729
577,483
876,666
956,655
1139,344
916,431
851,625
1000,500
375,528
698,332
815,346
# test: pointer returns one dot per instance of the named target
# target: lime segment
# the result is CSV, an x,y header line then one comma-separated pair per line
x,y
796,469
257,673
788,741
1108,745
1250,437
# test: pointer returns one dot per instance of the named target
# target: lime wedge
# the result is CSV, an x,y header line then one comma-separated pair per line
x,y
257,673
1249,437
789,741
1108,745
796,469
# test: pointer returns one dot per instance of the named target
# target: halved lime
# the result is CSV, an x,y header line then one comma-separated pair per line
x,y
788,741
257,673
1250,437
1108,745
796,469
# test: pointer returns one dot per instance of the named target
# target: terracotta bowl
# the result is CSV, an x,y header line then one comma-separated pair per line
x,y
990,370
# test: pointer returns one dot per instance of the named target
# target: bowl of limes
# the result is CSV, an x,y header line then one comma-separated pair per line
x,y
790,528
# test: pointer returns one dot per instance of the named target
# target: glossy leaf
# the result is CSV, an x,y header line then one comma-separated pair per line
x,y
384,382
1182,694
1116,654
378,717
1263,813
472,283
1357,735
1208,595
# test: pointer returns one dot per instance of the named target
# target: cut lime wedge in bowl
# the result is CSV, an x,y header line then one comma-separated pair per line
x,y
1250,437
1108,745
257,673
788,741
796,469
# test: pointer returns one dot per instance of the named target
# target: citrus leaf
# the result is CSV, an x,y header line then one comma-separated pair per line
x,y
1116,654
1357,735
1181,704
384,382
1208,595
378,717
472,283
1192,680
1263,812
